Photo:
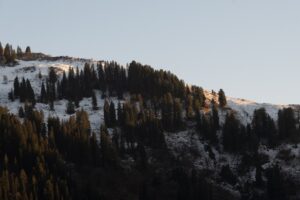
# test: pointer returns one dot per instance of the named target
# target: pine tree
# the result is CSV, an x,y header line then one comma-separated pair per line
x,y
43,93
1,54
109,155
168,112
106,113
178,121
120,115
189,107
52,75
286,123
13,56
94,101
19,52
231,133
11,95
112,114
7,53
16,87
215,117
30,93
28,52
70,108
263,126
222,99
51,105
40,74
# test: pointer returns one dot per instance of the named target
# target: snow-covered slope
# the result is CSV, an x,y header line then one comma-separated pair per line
x,y
245,108
30,70
184,145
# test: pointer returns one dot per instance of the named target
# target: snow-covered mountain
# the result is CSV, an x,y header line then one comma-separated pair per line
x,y
182,144
32,69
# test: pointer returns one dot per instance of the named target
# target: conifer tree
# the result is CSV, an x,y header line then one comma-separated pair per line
x,y
52,75
286,123
43,93
19,52
112,114
16,87
189,107
168,112
222,99
120,115
106,113
109,156
28,52
231,133
263,126
1,54
51,105
11,95
94,101
178,122
30,92
70,108
215,117
7,53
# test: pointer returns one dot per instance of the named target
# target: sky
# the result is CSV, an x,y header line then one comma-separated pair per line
x,y
250,48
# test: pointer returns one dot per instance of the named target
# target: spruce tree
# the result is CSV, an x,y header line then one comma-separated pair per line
x,y
16,87
52,75
19,52
70,108
109,154
112,114
286,123
28,52
120,115
11,95
106,113
7,53
43,94
215,117
1,53
222,99
231,133
94,101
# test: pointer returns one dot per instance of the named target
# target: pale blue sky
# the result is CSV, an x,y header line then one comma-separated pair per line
x,y
250,48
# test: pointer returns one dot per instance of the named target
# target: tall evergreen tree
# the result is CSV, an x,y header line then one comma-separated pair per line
x,y
231,134
19,52
7,53
263,125
43,97
112,114
94,101
286,123
222,98
16,87
106,113
215,117
28,52
70,108
1,54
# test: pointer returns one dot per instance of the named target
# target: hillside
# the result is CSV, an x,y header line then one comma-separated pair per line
x,y
168,139
31,69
